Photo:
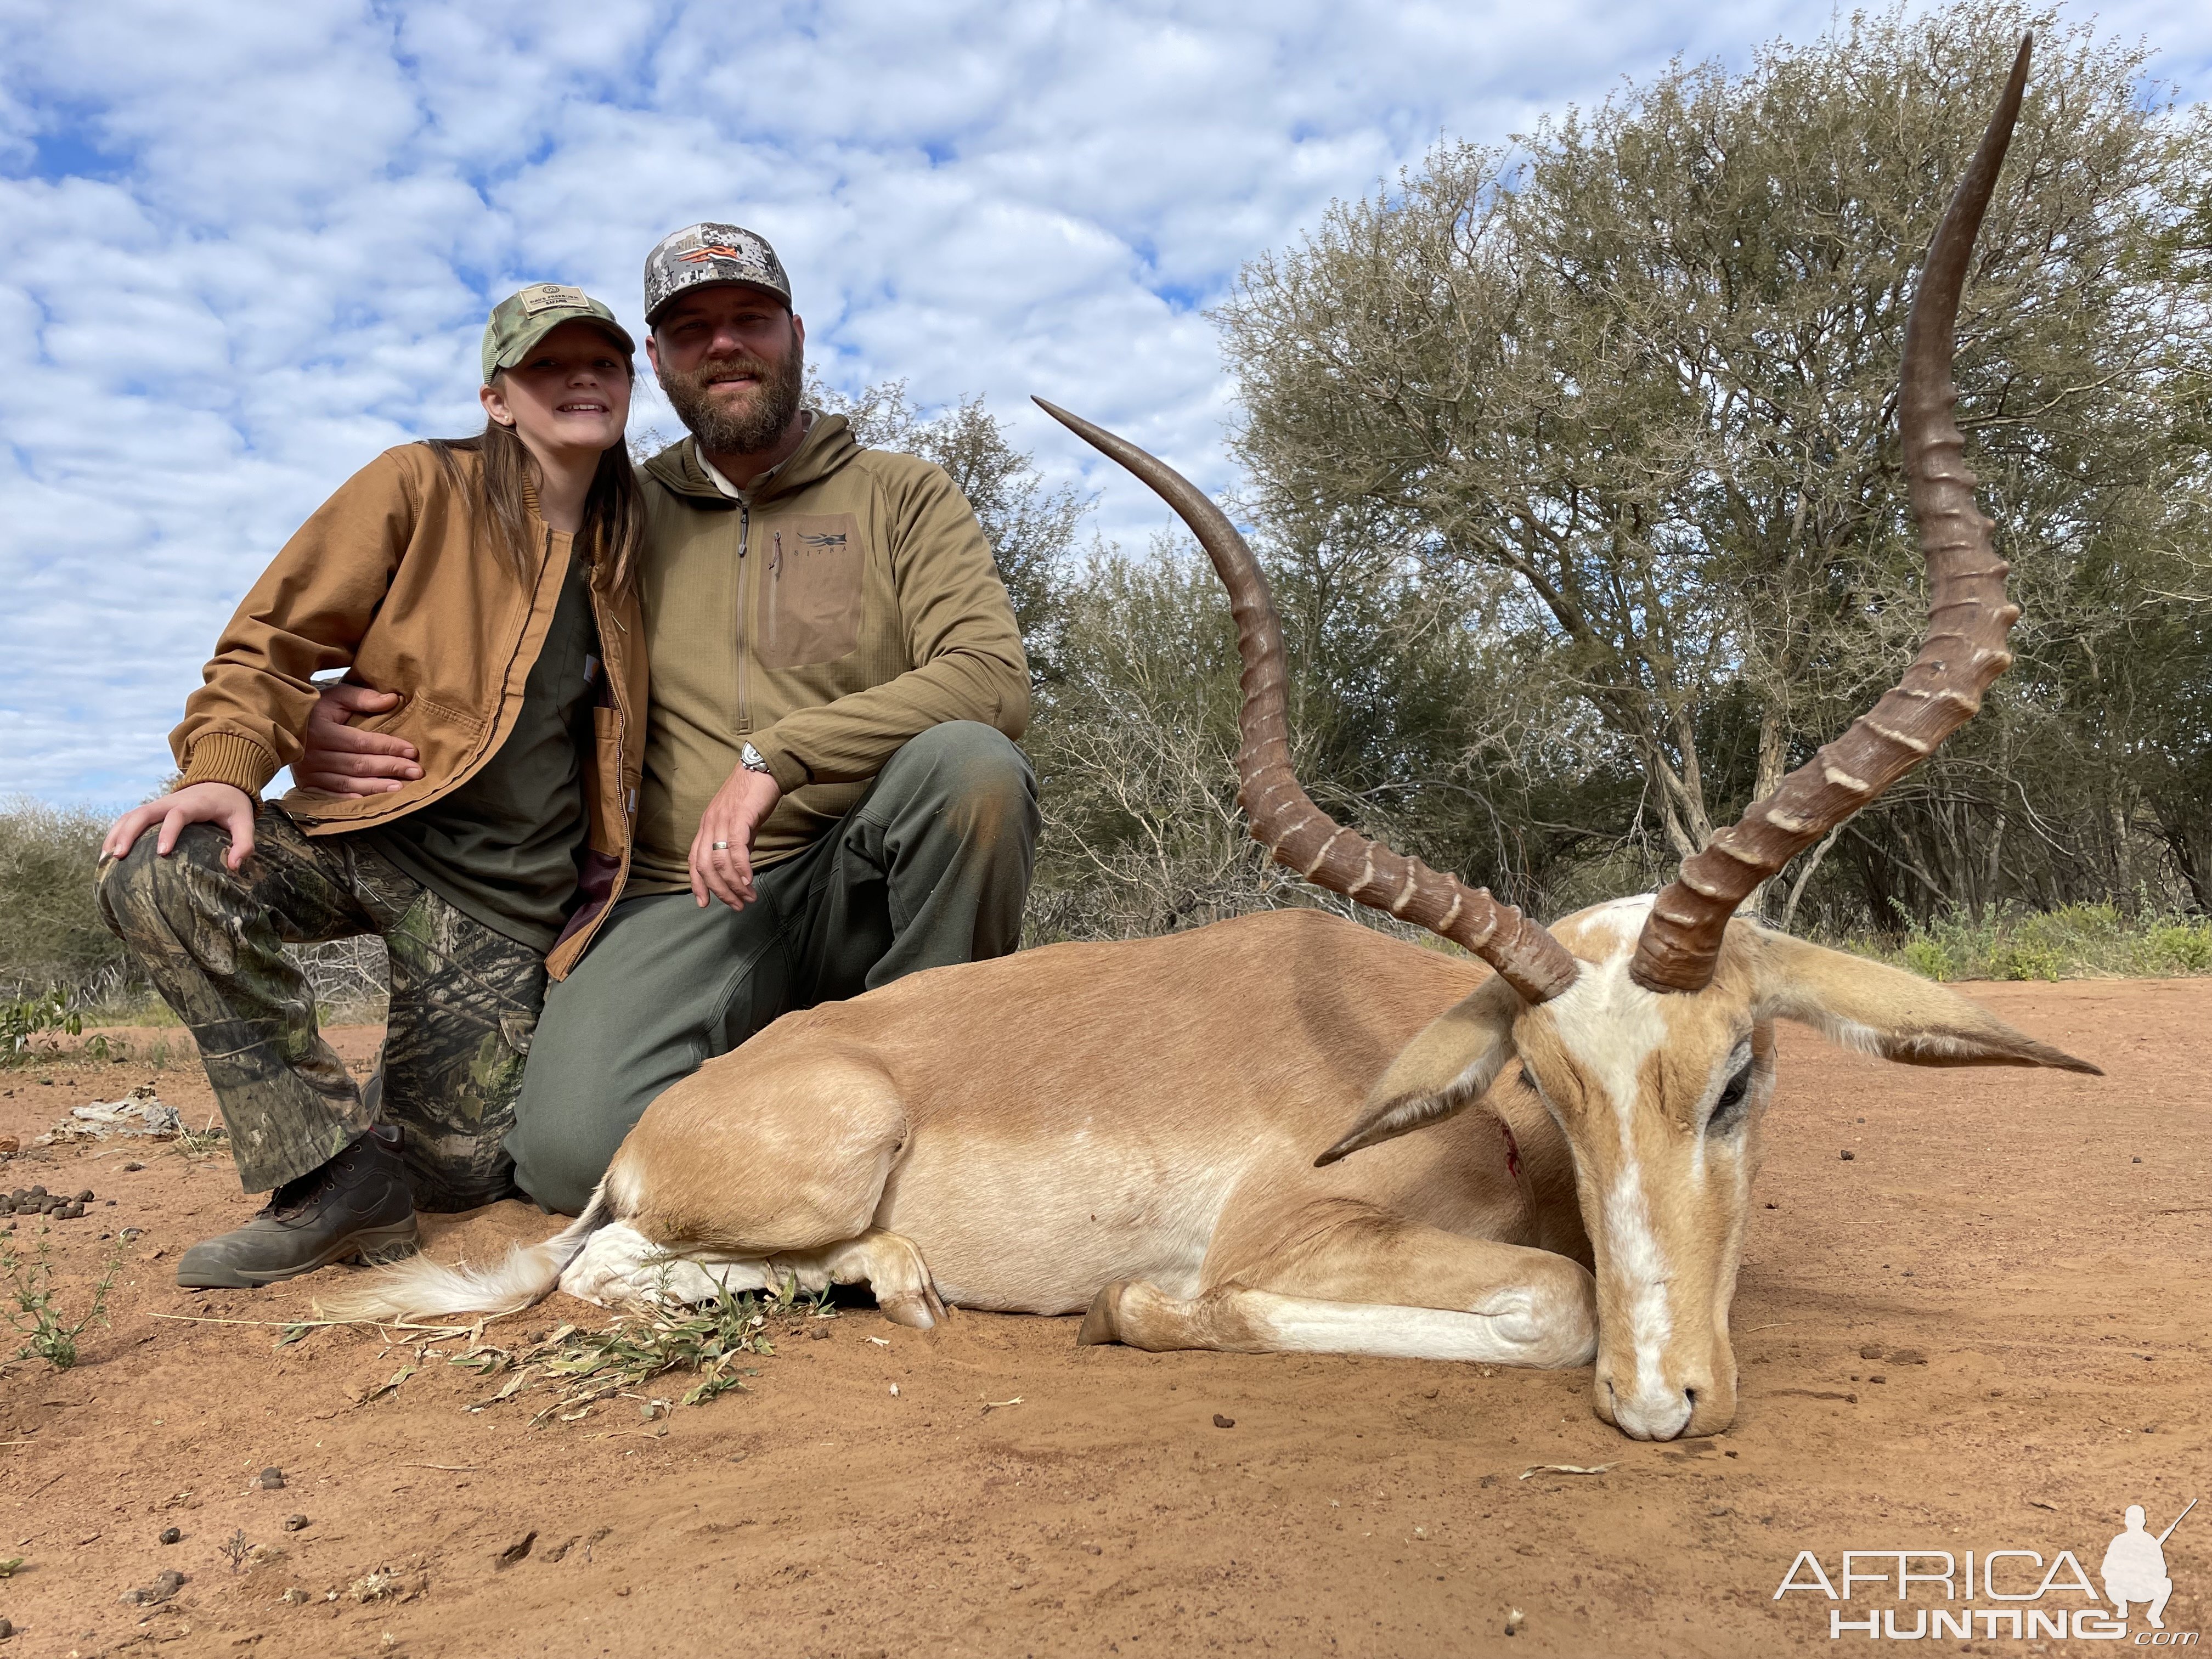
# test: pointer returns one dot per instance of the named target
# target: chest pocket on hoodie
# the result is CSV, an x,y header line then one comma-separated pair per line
x,y
812,599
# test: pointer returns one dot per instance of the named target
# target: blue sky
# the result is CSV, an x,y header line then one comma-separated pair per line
x,y
244,248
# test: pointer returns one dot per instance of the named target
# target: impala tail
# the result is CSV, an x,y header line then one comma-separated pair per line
x,y
419,1288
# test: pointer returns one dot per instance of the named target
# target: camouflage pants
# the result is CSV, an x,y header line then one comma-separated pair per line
x,y
465,1000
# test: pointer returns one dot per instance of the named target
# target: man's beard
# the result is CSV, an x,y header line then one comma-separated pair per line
x,y
763,415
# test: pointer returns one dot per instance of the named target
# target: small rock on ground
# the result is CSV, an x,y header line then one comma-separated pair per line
x,y
165,1585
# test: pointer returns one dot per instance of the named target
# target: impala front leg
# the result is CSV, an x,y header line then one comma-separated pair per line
x,y
891,1266
1392,1290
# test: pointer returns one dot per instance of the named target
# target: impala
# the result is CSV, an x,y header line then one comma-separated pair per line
x,y
1554,1155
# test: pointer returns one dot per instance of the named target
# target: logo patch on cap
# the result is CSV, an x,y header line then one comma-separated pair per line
x,y
552,296
704,253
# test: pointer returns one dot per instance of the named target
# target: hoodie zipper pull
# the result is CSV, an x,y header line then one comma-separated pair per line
x,y
775,563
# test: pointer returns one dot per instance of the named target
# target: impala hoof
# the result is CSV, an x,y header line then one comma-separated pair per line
x,y
914,1312
1099,1325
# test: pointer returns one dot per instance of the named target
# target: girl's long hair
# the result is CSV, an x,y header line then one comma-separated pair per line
x,y
614,507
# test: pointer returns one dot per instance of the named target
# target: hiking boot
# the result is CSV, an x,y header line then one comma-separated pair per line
x,y
356,1206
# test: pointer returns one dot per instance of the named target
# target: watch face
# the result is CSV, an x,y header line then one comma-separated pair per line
x,y
750,757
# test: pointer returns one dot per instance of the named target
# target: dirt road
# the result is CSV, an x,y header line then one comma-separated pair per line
x,y
1985,1330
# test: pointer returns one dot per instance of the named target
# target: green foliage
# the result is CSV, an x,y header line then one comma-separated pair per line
x,y
584,1368
24,1021
1929,958
2076,941
47,1333
2186,945
50,934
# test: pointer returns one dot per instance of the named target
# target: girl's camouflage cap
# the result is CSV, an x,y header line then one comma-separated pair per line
x,y
523,318
699,254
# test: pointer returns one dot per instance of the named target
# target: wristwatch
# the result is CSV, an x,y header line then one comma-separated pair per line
x,y
750,758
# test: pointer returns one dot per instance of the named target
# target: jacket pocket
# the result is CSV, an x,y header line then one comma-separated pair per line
x,y
419,713
447,738
813,599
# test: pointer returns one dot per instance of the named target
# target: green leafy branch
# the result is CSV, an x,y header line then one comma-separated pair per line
x,y
35,1315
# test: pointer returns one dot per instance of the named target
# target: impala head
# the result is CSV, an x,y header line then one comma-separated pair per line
x,y
1662,1096
1646,1024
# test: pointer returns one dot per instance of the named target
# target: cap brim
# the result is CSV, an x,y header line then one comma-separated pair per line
x,y
539,327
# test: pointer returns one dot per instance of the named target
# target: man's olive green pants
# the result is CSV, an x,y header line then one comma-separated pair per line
x,y
932,867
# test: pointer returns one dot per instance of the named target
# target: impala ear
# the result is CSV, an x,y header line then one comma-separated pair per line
x,y
1440,1073
1884,1011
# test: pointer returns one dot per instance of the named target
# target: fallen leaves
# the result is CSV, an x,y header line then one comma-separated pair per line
x,y
587,1367
366,1396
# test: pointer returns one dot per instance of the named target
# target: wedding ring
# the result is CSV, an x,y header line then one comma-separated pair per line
x,y
721,846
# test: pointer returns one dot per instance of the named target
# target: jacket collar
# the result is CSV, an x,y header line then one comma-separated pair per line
x,y
827,448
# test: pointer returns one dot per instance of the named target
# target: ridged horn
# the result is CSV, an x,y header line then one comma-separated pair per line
x,y
1282,816
1969,618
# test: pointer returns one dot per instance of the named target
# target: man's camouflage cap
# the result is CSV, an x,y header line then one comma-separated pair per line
x,y
699,254
523,318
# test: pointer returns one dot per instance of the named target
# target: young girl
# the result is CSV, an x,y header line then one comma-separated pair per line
x,y
486,584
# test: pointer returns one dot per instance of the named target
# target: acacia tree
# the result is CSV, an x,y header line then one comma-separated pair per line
x,y
1641,368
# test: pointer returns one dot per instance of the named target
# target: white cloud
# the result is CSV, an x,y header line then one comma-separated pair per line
x,y
243,249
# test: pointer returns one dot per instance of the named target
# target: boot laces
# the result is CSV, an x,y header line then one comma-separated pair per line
x,y
302,1195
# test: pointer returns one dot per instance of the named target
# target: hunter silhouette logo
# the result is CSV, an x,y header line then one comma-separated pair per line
x,y
2134,1568
2030,1596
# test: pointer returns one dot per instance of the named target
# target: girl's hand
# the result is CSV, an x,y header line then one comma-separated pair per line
x,y
225,803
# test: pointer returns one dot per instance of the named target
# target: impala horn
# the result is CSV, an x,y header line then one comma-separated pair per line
x,y
1968,620
1283,817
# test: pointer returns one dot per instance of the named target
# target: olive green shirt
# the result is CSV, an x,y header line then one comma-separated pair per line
x,y
844,603
503,847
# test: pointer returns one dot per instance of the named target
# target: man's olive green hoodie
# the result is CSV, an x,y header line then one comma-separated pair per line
x,y
844,603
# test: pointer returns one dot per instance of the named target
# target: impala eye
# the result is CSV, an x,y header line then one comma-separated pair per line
x,y
1728,1109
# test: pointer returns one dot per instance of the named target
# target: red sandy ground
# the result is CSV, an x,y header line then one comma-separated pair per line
x,y
1998,1221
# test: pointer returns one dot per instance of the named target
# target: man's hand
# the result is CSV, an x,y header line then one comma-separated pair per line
x,y
225,803
340,760
722,851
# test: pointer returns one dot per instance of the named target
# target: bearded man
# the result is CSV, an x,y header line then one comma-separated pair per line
x,y
830,795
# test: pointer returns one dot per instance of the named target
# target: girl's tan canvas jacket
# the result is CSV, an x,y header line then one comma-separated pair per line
x,y
388,582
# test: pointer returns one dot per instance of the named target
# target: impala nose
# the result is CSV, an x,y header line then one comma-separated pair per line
x,y
1651,1412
